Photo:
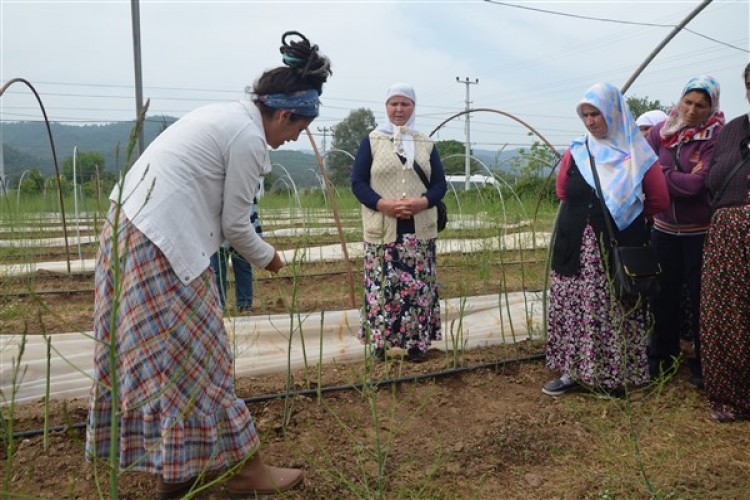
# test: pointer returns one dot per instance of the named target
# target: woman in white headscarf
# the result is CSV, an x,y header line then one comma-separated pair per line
x,y
401,301
650,119
593,338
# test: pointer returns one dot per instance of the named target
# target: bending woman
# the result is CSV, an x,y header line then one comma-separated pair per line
x,y
401,303
157,319
725,294
593,337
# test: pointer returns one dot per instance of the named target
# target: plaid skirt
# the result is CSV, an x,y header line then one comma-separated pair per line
x,y
401,303
164,345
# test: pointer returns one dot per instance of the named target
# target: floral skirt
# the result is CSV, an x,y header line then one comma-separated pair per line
x,y
593,337
401,302
177,413
725,311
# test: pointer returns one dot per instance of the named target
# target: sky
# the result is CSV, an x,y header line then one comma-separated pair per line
x,y
532,64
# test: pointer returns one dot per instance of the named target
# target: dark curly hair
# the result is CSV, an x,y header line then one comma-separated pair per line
x,y
304,68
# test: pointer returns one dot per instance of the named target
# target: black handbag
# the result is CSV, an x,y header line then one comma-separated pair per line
x,y
634,270
442,210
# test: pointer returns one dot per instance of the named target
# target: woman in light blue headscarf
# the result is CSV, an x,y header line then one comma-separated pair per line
x,y
594,339
401,302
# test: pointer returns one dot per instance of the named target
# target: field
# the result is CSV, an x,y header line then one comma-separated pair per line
x,y
472,426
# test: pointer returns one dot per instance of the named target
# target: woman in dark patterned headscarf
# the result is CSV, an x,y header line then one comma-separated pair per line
x,y
685,145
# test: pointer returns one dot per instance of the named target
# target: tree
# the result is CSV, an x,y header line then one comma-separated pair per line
x,y
33,182
453,155
639,105
86,166
347,137
532,168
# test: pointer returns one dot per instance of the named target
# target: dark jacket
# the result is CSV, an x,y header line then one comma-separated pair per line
x,y
581,208
731,146
689,210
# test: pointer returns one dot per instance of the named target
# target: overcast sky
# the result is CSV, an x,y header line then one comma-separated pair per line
x,y
536,65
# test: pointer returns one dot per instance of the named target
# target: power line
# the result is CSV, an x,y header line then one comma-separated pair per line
x,y
607,20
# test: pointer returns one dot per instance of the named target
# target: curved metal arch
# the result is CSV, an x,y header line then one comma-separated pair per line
x,y
504,113
54,156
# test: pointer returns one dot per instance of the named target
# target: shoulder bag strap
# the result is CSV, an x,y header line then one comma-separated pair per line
x,y
421,174
675,159
605,211
715,198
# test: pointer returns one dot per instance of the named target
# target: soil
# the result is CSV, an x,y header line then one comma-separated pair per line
x,y
483,433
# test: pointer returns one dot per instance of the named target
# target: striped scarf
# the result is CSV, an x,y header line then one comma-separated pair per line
x,y
674,132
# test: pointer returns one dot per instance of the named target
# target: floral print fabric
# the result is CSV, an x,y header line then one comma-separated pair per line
x,y
401,302
725,311
592,338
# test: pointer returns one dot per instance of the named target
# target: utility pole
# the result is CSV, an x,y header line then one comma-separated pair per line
x,y
135,13
2,165
325,131
467,130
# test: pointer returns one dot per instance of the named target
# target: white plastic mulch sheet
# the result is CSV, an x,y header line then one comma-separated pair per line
x,y
262,343
325,253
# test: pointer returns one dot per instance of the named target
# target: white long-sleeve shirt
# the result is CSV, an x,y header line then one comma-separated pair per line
x,y
194,186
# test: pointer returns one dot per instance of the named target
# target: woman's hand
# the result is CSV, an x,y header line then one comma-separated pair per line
x,y
414,205
402,208
276,264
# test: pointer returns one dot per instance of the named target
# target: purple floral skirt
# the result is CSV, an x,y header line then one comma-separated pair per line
x,y
593,337
401,301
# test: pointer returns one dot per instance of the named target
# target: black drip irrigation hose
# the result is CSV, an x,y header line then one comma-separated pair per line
x,y
330,388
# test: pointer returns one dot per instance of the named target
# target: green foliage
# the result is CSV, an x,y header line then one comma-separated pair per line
x,y
16,162
527,187
346,137
534,162
87,164
531,168
33,182
453,155
639,105
30,145
450,147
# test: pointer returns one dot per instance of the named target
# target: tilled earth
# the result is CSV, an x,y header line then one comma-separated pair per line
x,y
484,433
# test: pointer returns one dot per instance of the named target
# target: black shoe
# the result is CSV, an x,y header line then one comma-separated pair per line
x,y
616,393
415,355
558,387
696,373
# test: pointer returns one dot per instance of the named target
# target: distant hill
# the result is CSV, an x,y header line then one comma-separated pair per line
x,y
30,139
26,146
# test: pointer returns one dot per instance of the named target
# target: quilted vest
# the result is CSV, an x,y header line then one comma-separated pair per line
x,y
392,179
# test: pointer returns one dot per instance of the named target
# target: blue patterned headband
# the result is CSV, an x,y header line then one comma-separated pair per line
x,y
303,103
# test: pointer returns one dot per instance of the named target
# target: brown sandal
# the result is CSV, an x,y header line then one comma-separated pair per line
x,y
165,491
255,477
